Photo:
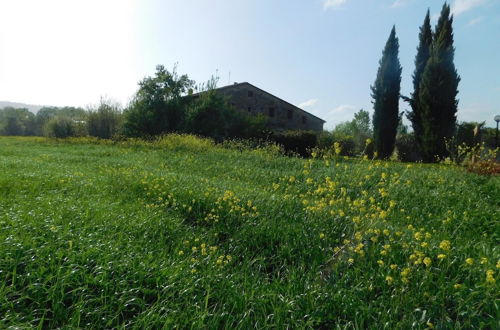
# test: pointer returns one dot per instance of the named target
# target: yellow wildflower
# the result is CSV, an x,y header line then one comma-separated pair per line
x,y
405,272
457,286
321,235
469,261
427,261
380,262
441,256
445,245
350,260
483,261
489,276
389,279
181,252
393,266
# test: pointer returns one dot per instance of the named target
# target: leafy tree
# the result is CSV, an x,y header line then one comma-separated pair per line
x,y
423,54
438,91
158,106
358,129
105,121
45,114
385,94
60,127
16,121
13,127
210,114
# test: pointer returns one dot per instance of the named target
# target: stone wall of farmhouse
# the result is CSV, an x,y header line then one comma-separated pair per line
x,y
281,115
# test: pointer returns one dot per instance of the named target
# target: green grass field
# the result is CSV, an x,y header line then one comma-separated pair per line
x,y
182,233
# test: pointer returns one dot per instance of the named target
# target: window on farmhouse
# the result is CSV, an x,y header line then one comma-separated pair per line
x,y
271,112
249,109
250,93
290,114
304,119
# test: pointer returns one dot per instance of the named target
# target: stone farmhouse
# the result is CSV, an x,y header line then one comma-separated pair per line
x,y
249,99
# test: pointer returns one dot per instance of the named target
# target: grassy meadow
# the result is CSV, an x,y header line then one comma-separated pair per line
x,y
184,233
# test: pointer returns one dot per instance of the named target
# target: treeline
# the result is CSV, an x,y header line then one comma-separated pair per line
x,y
165,103
356,138
22,122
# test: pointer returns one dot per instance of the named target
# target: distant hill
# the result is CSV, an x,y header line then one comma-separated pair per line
x,y
31,107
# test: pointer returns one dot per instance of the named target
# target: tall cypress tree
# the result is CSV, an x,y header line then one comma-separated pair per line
x,y
385,94
438,90
423,54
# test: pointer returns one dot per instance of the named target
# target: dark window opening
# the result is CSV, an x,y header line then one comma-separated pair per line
x,y
271,112
249,109
290,114
250,93
304,119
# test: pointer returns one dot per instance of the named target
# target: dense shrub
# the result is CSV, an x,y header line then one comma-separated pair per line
x,y
105,121
347,144
325,140
296,142
209,115
63,127
406,148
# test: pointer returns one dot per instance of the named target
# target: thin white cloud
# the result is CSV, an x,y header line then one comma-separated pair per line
x,y
327,4
308,103
343,108
462,6
399,3
341,113
475,21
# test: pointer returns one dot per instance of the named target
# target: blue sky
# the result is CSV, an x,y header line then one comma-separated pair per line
x,y
319,54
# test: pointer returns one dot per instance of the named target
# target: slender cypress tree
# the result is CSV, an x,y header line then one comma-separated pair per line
x,y
423,54
385,94
438,90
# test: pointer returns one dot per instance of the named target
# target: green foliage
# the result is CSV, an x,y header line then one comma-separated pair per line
x,y
358,129
158,106
406,147
465,133
210,114
421,59
105,121
348,144
62,127
182,233
438,91
45,114
385,94
15,121
296,142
